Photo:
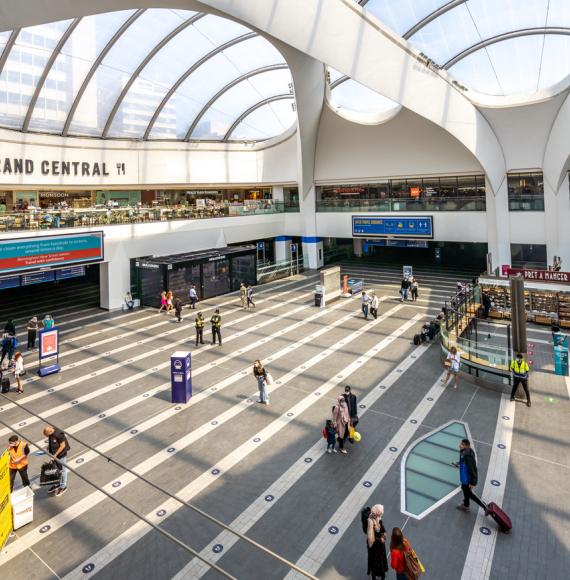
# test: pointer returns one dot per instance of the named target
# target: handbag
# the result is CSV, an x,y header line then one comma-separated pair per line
x,y
351,432
50,473
268,379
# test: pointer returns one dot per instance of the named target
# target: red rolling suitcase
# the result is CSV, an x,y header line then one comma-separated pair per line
x,y
500,517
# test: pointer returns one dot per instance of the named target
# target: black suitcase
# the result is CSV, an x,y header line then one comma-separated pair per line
x,y
5,384
417,339
50,473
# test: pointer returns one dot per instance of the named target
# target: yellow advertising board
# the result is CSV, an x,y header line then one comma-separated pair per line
x,y
5,507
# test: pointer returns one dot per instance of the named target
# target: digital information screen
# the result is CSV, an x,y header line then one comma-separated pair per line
x,y
23,255
378,226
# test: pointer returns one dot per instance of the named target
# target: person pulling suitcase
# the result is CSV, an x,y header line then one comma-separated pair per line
x,y
468,476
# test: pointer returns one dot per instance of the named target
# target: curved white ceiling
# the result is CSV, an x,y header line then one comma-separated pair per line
x,y
145,74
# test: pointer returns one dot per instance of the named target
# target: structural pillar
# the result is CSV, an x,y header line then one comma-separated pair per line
x,y
556,212
114,281
282,248
357,247
498,224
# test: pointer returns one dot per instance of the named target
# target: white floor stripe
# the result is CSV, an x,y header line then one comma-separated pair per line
x,y
261,506
125,540
324,543
132,378
49,527
142,356
481,549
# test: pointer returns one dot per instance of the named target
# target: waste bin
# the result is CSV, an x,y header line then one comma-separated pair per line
x,y
22,501
318,299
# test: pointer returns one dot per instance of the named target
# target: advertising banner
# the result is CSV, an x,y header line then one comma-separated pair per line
x,y
28,254
5,507
379,226
49,344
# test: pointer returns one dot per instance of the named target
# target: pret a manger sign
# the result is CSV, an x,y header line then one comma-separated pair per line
x,y
542,275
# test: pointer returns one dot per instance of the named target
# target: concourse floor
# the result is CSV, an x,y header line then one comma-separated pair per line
x,y
263,470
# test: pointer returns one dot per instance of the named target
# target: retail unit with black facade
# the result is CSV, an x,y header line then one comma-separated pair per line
x,y
214,272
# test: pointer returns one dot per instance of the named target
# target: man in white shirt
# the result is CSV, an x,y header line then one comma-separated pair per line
x,y
365,304
374,305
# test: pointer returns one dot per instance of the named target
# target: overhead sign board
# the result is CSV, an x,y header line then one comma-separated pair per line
x,y
379,226
541,275
23,255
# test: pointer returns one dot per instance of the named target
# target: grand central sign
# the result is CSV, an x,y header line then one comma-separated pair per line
x,y
14,166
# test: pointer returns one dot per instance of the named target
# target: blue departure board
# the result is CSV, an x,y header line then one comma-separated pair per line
x,y
38,278
73,272
379,226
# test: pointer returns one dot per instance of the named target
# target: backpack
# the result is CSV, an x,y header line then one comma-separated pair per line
x,y
413,569
364,515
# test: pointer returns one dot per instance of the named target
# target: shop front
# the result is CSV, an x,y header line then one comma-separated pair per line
x,y
213,272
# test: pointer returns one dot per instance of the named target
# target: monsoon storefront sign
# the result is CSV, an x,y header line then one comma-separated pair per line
x,y
26,254
5,507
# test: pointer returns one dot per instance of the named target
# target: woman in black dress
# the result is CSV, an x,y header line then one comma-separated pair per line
x,y
376,543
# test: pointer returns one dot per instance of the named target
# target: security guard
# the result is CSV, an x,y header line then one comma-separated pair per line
x,y
216,321
519,368
19,451
199,324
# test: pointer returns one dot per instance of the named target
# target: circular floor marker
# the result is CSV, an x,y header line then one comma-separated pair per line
x,y
367,483
257,439
278,382
146,395
80,460
317,394
88,568
308,459
393,449
303,367
214,423
269,498
215,471
214,389
430,398
134,431
177,408
290,414
217,548
171,449
93,374
118,384
102,416
551,400
21,424
362,406
382,387
39,453
485,531
339,376
244,372
506,418
116,484
51,390
161,513
154,369
45,529
74,402
413,421
501,446
333,530
495,483
399,371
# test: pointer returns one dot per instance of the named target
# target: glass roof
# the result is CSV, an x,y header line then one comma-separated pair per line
x,y
145,74
350,96
495,47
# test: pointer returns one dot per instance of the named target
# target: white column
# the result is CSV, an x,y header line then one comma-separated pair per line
x,y
498,229
282,248
114,281
557,218
313,252
357,245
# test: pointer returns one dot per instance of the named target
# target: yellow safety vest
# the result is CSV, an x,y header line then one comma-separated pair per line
x,y
17,452
520,369
199,323
216,321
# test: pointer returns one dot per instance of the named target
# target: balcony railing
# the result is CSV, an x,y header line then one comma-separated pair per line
x,y
74,218
526,203
404,204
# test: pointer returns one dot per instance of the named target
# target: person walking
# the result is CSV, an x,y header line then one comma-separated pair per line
x,y
404,287
365,299
193,295
260,375
341,418
468,476
10,328
414,288
18,450
486,300
250,296
178,309
199,325
376,544
216,322
8,346
19,371
374,304
169,304
403,559
48,322
32,328
452,363
330,433
520,368
162,302
58,446
243,295
352,404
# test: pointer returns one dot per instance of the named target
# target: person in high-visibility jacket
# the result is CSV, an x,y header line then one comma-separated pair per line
x,y
216,322
19,451
199,324
519,368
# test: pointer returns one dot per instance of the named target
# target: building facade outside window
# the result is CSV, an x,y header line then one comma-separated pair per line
x,y
526,191
530,256
459,193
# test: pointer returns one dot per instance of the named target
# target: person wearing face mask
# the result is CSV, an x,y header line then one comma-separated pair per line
x,y
341,418
520,368
376,543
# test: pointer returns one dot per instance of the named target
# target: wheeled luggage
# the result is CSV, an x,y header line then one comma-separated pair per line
x,y
5,384
417,339
50,473
499,515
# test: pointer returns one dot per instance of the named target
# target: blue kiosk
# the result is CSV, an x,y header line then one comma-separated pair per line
x,y
181,377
